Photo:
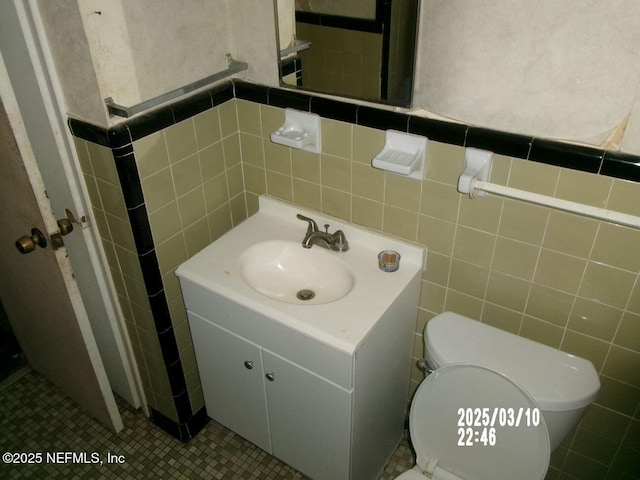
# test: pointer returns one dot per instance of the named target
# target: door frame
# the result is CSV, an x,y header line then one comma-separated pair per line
x,y
49,90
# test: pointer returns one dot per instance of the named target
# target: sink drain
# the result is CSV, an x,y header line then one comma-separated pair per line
x,y
305,294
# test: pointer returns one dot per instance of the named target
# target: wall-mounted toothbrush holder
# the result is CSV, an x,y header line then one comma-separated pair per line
x,y
300,130
477,166
403,154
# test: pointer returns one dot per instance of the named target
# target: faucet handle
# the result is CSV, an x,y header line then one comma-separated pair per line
x,y
340,241
312,227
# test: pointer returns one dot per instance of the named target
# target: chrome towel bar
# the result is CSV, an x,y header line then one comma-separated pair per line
x,y
233,66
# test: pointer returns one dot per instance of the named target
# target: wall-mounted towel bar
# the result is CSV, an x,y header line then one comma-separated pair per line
x,y
233,66
557,203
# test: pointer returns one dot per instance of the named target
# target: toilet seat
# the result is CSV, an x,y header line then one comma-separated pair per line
x,y
452,414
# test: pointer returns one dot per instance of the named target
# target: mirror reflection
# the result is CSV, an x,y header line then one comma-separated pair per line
x,y
361,48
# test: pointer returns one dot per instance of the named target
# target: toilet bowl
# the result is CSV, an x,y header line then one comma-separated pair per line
x,y
496,404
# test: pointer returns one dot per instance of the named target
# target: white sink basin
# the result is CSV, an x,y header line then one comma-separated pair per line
x,y
288,272
261,265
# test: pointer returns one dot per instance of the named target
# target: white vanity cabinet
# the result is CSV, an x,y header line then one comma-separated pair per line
x,y
323,386
331,415
279,406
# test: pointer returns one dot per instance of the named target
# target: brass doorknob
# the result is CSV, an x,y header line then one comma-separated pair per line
x,y
28,244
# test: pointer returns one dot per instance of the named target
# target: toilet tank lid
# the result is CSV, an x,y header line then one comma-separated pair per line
x,y
557,380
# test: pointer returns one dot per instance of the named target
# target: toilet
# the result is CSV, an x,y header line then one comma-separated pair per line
x,y
495,405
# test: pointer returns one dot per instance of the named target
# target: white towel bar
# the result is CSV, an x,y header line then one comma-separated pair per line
x,y
557,203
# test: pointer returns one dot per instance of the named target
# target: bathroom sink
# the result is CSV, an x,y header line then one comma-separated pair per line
x,y
286,271
292,341
333,297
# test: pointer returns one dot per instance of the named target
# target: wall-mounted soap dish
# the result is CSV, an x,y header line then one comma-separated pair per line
x,y
300,130
403,154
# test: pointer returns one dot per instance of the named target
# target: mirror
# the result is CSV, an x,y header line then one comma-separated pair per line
x,y
362,49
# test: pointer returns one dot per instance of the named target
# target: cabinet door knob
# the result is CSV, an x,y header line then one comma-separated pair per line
x,y
271,376
248,364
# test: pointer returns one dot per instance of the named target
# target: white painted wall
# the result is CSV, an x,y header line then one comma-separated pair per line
x,y
286,21
564,70
72,59
567,70
135,50
253,39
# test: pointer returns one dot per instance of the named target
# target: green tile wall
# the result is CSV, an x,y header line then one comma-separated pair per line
x,y
110,215
566,281
341,60
193,186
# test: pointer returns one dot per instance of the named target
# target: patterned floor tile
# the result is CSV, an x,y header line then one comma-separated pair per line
x,y
36,418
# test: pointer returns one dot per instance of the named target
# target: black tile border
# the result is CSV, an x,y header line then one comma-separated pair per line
x,y
512,145
566,155
159,309
131,187
195,104
382,119
337,21
621,165
289,99
377,25
196,423
89,132
165,423
383,15
438,130
251,92
182,431
140,227
120,136
129,178
222,93
146,124
152,281
334,109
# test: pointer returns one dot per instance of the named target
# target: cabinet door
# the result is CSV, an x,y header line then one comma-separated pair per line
x,y
310,419
232,383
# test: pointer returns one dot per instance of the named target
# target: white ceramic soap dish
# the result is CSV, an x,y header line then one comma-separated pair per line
x,y
403,154
300,130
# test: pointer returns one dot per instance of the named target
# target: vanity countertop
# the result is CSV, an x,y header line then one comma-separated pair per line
x,y
342,324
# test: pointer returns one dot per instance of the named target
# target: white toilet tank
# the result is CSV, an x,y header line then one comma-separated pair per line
x,y
562,385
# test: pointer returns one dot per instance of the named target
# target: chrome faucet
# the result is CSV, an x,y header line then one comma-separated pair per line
x,y
334,241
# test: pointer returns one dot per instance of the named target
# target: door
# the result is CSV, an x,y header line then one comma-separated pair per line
x,y
309,419
231,376
30,77
39,293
